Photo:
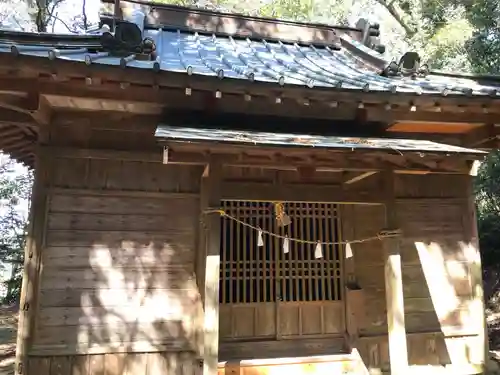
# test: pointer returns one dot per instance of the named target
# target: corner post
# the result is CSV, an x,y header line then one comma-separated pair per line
x,y
117,12
398,352
211,185
28,305
474,259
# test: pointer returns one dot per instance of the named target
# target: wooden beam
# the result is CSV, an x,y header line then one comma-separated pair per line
x,y
42,114
448,138
10,116
107,120
323,160
265,157
117,12
285,117
306,173
473,256
398,352
32,106
471,106
481,135
379,115
32,265
261,104
8,130
296,193
19,103
117,193
125,121
358,177
348,233
77,72
176,99
211,186
82,153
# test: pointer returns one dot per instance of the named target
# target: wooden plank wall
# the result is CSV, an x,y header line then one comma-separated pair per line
x,y
118,289
123,234
440,304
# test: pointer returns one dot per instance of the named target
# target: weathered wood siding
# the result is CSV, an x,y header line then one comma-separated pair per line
x,y
441,308
118,292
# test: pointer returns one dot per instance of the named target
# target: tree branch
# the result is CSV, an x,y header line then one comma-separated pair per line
x,y
54,16
410,31
84,14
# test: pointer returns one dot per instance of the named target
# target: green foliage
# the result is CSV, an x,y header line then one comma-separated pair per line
x,y
488,208
14,191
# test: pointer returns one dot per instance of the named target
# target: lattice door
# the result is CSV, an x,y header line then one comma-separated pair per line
x,y
267,293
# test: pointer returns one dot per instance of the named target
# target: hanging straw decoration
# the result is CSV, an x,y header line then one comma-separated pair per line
x,y
348,250
318,251
281,217
260,240
286,245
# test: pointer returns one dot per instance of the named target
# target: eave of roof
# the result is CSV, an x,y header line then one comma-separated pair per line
x,y
249,60
206,135
340,63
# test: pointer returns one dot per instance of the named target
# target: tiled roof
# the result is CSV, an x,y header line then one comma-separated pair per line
x,y
338,66
197,135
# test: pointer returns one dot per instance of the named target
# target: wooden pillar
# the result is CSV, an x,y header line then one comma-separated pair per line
x,y
117,12
32,264
471,238
351,284
398,352
211,186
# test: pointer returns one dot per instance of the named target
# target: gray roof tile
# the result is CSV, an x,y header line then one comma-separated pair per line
x,y
283,64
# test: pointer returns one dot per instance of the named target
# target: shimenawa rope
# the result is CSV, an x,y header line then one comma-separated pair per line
x,y
379,236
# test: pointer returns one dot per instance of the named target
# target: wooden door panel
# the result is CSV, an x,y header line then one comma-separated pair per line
x,y
334,318
311,318
266,292
247,320
289,319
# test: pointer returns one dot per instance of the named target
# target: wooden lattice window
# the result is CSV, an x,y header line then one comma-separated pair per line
x,y
253,274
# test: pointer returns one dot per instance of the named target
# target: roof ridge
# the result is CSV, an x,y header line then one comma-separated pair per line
x,y
158,5
172,17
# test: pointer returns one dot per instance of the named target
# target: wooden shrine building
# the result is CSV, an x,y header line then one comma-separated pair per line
x,y
221,194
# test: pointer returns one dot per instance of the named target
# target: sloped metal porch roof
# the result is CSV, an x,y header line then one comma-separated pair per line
x,y
204,135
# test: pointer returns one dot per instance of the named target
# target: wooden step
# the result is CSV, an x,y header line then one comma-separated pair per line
x,y
314,365
288,348
290,357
